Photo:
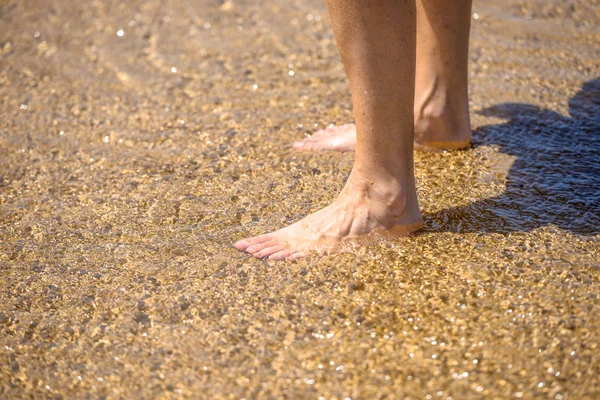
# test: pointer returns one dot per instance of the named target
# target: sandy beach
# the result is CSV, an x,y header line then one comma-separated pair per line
x,y
140,139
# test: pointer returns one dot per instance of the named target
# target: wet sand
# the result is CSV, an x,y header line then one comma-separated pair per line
x,y
140,139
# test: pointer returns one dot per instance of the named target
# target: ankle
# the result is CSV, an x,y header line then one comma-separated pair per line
x,y
392,175
442,117
396,194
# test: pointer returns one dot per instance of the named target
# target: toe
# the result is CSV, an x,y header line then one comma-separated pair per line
x,y
245,243
315,145
267,252
296,256
300,144
260,246
280,255
306,143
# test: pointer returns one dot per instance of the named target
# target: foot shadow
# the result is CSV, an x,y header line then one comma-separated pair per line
x,y
555,179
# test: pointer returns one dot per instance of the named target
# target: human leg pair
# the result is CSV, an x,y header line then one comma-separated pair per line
x,y
377,41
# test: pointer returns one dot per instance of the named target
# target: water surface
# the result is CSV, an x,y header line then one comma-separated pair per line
x,y
140,139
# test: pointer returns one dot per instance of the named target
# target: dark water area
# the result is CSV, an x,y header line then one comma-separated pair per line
x,y
555,176
140,139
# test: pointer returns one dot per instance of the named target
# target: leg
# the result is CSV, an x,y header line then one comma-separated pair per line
x,y
441,85
441,96
376,40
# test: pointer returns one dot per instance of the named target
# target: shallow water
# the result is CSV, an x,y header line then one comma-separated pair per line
x,y
139,139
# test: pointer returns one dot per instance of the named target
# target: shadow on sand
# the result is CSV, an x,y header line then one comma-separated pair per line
x,y
555,179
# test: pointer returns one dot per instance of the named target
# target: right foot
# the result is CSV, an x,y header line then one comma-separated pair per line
x,y
368,209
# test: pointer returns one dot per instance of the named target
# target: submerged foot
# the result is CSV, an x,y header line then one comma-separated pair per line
x,y
432,134
333,138
364,211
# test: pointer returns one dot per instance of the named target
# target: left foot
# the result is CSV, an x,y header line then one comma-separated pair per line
x,y
439,125
432,137
364,211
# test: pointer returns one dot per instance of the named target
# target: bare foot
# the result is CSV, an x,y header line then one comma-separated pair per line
x,y
364,211
431,135
333,138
